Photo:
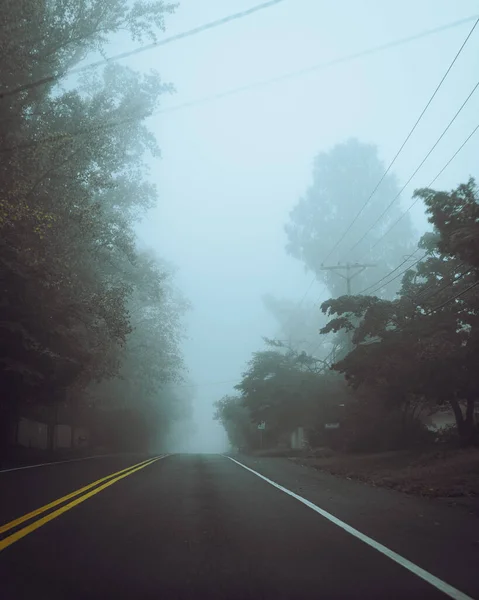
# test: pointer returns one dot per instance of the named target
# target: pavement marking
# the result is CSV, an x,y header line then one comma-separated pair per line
x,y
113,478
58,462
63,499
442,586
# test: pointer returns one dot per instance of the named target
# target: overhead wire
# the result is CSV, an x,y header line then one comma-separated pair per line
x,y
423,291
174,38
417,168
430,311
476,21
412,205
143,115
373,285
397,276
429,185
314,68
455,297
285,76
444,286
434,283
412,130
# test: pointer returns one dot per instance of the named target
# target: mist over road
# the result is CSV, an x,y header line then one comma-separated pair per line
x,y
204,526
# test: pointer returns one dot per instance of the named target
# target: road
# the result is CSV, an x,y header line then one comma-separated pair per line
x,y
205,526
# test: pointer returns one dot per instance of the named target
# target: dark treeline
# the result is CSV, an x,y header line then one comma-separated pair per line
x,y
87,319
407,351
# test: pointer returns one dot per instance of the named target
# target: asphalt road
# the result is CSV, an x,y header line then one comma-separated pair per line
x,y
203,526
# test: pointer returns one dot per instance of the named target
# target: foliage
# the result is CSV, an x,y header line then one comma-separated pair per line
x,y
286,389
150,361
235,418
80,304
298,326
411,355
343,181
422,348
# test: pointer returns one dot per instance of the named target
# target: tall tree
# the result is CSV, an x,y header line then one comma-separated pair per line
x,y
73,185
343,180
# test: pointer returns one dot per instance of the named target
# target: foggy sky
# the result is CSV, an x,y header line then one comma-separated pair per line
x,y
232,169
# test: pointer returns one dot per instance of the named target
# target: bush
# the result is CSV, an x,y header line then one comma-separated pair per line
x,y
369,427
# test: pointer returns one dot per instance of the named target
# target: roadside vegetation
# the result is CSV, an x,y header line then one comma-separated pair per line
x,y
391,356
89,320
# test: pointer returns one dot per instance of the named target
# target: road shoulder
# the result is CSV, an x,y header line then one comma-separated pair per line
x,y
438,538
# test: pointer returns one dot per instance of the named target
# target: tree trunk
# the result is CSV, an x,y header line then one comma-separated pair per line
x,y
456,408
466,427
470,429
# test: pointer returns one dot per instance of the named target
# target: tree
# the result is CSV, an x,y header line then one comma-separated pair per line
x,y
72,265
288,389
73,185
235,418
455,216
343,180
423,346
151,362
298,326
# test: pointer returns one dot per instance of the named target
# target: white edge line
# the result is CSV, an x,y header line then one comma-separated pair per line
x,y
442,586
61,462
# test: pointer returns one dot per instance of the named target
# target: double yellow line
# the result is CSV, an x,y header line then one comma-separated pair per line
x,y
80,496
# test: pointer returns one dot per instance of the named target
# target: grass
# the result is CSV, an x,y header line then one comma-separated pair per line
x,y
434,474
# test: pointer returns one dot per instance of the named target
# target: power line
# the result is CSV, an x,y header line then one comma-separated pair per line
x,y
400,218
418,297
429,185
454,297
373,285
169,40
279,78
435,308
434,283
430,286
359,268
399,275
317,67
417,169
325,360
339,61
353,222
443,287
115,123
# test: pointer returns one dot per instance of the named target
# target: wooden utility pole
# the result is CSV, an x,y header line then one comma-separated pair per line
x,y
352,270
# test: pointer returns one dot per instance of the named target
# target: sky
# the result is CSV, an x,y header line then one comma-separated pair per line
x,y
232,169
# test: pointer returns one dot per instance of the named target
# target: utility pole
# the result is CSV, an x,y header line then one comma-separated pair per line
x,y
352,270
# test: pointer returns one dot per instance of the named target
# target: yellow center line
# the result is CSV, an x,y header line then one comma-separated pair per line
x,y
18,535
63,499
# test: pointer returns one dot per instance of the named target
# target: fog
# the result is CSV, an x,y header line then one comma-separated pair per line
x,y
239,264
233,168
